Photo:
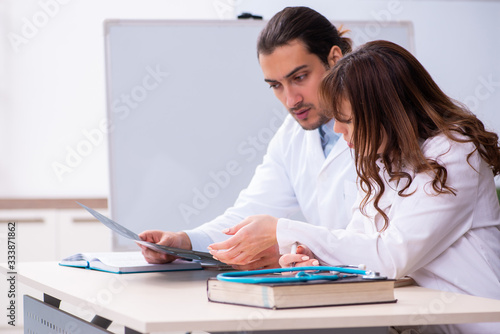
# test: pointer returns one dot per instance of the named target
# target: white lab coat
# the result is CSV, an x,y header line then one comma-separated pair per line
x,y
294,176
445,242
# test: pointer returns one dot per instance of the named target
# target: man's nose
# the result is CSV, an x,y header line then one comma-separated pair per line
x,y
292,97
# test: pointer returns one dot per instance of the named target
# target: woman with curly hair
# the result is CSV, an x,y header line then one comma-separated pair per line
x,y
427,205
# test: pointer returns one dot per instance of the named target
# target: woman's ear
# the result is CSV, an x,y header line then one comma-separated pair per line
x,y
334,55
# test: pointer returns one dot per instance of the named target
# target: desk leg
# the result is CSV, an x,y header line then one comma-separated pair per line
x,y
48,299
98,320
101,322
46,317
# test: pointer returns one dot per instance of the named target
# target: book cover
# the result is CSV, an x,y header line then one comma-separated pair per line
x,y
124,263
355,290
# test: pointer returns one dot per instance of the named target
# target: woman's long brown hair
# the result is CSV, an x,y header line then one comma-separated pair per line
x,y
392,94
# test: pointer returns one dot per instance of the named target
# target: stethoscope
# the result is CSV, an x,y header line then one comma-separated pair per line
x,y
303,274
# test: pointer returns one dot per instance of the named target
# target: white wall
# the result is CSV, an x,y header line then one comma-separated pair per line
x,y
53,52
54,90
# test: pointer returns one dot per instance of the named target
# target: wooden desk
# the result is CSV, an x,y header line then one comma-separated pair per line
x,y
176,301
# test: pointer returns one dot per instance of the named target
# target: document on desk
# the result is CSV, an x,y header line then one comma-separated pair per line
x,y
203,257
124,263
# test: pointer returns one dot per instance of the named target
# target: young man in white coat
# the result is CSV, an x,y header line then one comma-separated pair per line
x,y
306,169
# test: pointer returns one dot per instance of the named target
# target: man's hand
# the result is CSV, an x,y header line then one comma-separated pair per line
x,y
169,239
266,259
253,244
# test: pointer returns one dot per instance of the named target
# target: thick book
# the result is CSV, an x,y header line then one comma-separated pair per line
x,y
349,291
124,263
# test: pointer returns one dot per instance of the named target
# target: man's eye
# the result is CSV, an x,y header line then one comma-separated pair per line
x,y
274,86
300,77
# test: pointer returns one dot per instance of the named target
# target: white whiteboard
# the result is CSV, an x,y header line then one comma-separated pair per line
x,y
189,117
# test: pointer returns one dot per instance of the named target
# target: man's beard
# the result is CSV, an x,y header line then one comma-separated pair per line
x,y
309,127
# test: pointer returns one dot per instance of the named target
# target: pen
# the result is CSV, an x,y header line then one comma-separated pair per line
x,y
294,250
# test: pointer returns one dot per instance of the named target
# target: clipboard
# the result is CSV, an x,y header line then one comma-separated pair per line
x,y
186,254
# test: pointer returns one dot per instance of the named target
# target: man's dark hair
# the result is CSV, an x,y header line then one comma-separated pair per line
x,y
305,24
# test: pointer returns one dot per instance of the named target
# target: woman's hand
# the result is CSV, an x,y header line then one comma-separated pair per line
x,y
304,257
251,239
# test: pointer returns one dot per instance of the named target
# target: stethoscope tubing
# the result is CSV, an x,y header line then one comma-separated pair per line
x,y
301,276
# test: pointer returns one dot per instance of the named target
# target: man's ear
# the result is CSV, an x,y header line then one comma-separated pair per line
x,y
334,55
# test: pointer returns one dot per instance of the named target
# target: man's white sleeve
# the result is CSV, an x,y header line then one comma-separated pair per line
x,y
269,192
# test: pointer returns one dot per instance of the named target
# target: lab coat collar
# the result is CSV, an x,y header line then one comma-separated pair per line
x,y
340,146
317,155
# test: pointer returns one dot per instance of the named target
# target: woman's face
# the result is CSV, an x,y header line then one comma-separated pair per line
x,y
345,126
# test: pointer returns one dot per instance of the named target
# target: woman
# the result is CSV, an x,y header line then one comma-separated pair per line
x,y
427,204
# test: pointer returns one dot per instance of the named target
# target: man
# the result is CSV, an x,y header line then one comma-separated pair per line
x,y
305,168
